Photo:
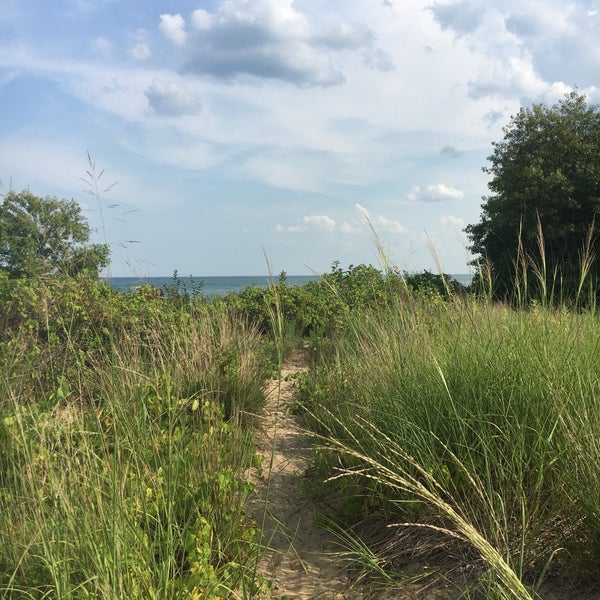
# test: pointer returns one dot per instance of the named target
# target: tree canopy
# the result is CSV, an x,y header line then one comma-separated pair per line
x,y
545,184
46,236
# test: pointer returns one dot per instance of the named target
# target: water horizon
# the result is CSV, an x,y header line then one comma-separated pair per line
x,y
208,286
212,286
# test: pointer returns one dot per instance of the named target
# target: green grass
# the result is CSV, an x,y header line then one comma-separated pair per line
x,y
124,455
474,420
467,427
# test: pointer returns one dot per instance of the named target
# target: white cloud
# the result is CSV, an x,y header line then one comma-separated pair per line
x,y
433,193
532,50
451,220
167,98
350,228
389,225
173,28
140,48
102,46
381,222
279,228
242,39
441,191
202,19
513,76
318,222
140,51
117,91
322,222
461,69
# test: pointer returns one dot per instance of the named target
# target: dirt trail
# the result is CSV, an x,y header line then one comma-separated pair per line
x,y
298,560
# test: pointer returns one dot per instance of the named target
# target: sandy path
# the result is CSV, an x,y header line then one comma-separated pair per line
x,y
298,560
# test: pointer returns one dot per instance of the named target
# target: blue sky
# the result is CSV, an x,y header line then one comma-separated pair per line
x,y
239,129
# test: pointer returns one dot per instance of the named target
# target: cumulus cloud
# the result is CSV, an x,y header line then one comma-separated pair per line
x,y
532,50
171,99
319,222
514,76
562,40
139,51
173,28
454,221
350,228
296,228
381,222
441,191
268,39
325,223
102,46
433,193
389,225
462,17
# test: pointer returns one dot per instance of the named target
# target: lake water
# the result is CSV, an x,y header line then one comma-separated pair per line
x,y
211,286
219,286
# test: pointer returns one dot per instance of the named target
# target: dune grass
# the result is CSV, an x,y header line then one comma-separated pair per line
x,y
126,440
473,420
126,478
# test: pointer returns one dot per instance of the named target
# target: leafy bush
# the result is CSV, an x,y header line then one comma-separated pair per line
x,y
124,452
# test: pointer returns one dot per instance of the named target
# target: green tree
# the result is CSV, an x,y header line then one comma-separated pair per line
x,y
545,184
46,236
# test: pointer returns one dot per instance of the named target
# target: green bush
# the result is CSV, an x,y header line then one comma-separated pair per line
x,y
124,449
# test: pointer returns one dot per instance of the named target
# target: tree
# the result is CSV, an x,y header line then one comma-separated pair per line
x,y
45,236
545,197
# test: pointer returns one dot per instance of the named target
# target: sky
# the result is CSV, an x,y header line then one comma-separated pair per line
x,y
244,136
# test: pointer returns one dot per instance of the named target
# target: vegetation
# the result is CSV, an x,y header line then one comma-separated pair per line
x,y
471,423
455,429
124,444
126,423
43,236
545,177
319,308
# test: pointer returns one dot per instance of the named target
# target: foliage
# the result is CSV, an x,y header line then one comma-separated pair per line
x,y
178,291
468,419
124,447
434,284
545,184
46,236
318,309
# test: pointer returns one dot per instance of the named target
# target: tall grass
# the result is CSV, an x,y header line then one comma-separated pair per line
x,y
475,421
126,477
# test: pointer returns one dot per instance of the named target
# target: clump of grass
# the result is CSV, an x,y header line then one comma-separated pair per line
x,y
453,416
125,476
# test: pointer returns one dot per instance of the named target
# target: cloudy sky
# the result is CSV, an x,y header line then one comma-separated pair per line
x,y
243,128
